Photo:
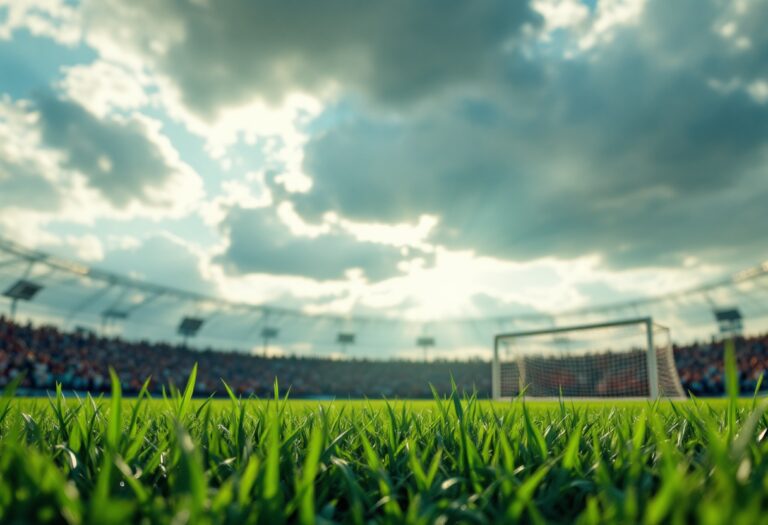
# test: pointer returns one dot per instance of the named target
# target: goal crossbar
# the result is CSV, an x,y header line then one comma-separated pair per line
x,y
575,328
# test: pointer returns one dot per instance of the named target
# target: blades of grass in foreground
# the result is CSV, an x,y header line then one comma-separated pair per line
x,y
186,398
758,386
455,459
731,386
115,414
8,393
190,480
534,437
306,488
271,485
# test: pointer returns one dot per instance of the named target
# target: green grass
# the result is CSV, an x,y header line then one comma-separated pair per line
x,y
453,460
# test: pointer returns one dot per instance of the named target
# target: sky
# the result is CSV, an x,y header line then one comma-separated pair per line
x,y
423,160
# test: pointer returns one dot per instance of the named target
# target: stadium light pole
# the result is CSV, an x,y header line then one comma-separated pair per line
x,y
268,333
425,343
344,339
730,322
108,316
188,327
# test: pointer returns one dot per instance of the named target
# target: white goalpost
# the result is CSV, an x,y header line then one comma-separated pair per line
x,y
629,358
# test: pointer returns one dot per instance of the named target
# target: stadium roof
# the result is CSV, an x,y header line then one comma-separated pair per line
x,y
74,294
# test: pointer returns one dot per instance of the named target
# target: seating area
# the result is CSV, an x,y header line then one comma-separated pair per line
x,y
80,361
47,355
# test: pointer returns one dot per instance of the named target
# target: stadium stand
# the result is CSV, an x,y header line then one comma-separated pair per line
x,y
81,360
701,365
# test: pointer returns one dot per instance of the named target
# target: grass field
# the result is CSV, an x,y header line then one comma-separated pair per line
x,y
453,460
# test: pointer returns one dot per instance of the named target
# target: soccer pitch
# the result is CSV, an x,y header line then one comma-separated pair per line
x,y
451,460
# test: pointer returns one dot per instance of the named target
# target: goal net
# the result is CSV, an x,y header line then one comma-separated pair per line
x,y
627,358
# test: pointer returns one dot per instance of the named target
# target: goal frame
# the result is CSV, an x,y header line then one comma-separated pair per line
x,y
650,351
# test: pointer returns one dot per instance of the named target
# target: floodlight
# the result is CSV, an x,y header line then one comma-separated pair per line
x,y
730,314
425,342
189,326
269,332
23,290
112,313
345,338
729,320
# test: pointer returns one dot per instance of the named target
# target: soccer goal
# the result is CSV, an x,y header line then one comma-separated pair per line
x,y
629,358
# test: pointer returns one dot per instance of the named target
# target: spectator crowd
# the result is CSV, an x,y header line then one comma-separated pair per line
x,y
701,365
81,361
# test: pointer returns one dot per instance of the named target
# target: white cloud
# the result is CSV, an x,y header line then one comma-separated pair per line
x,y
449,288
249,193
297,225
64,193
402,235
758,90
278,129
287,291
182,190
610,16
102,87
31,182
55,19
119,83
560,14
86,248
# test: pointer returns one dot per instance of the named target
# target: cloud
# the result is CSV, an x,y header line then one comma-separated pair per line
x,y
260,242
258,72
21,186
162,258
60,165
623,150
86,247
55,19
102,87
30,185
220,55
628,133
126,160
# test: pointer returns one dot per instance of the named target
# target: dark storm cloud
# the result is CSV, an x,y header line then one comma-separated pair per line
x,y
261,243
221,53
626,151
116,157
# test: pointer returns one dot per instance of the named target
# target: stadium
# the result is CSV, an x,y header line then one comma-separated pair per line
x,y
414,262
146,330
